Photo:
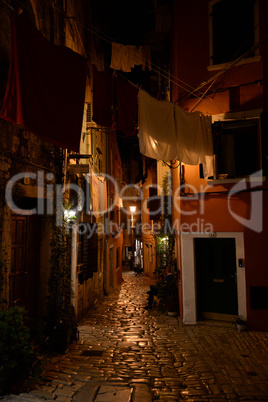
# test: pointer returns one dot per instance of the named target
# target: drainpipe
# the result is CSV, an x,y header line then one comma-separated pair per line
x,y
73,266
64,169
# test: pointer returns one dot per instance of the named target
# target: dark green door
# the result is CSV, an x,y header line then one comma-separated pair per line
x,y
216,276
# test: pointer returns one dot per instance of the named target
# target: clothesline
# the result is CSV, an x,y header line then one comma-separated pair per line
x,y
173,79
157,69
165,131
109,40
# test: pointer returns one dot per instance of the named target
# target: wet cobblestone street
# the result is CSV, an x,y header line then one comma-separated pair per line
x,y
126,353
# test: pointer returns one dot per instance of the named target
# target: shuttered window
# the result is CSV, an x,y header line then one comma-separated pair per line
x,y
88,253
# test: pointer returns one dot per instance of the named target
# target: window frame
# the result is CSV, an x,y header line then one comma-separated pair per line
x,y
232,117
211,66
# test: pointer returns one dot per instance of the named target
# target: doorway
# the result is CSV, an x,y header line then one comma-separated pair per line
x,y
216,279
25,266
190,309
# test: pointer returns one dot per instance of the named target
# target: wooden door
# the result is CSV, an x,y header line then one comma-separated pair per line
x,y
24,273
216,277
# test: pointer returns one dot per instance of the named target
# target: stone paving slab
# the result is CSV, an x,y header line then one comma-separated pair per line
x,y
155,355
103,392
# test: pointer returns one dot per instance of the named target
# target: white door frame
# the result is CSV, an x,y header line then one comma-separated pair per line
x,y
189,272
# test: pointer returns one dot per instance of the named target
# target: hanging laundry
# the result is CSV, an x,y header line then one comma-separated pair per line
x,y
120,59
125,58
167,132
126,95
46,87
157,135
194,139
103,97
208,167
136,55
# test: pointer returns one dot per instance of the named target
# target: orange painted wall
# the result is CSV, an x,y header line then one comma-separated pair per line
x,y
212,213
190,58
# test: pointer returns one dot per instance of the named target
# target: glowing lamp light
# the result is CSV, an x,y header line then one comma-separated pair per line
x,y
154,144
69,215
132,210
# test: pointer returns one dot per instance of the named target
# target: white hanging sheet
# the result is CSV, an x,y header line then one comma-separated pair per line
x,y
126,57
157,135
167,132
194,139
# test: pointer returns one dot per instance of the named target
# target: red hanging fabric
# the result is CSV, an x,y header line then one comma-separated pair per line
x,y
103,97
127,106
46,87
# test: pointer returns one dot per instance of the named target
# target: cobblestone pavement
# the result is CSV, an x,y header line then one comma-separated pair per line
x,y
126,353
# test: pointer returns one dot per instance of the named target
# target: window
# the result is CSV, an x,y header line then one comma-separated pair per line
x,y
233,29
237,148
87,256
154,204
128,252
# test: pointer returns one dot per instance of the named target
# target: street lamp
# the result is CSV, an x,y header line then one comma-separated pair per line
x,y
132,210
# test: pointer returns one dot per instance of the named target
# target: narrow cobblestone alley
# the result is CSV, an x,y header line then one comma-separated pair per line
x,y
126,353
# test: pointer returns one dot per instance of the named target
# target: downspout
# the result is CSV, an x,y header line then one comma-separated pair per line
x,y
73,267
64,169
181,180
177,167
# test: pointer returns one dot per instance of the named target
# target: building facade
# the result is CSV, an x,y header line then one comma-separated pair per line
x,y
39,173
221,65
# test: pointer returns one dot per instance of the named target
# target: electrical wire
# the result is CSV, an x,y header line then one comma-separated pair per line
x,y
224,89
157,69
110,40
200,99
229,65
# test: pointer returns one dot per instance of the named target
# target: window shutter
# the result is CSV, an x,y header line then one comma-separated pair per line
x,y
93,250
90,252
85,271
123,218
155,208
264,142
